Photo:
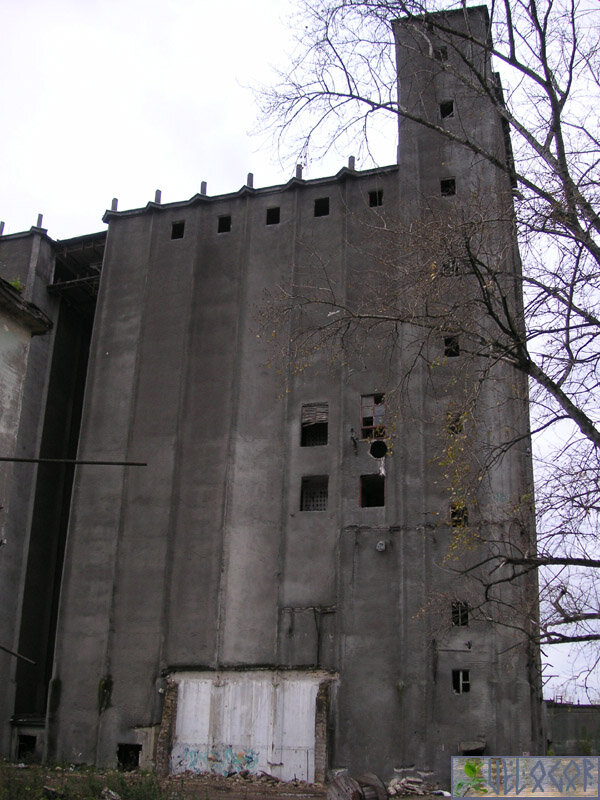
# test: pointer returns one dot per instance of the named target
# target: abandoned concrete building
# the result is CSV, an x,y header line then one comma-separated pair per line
x,y
233,576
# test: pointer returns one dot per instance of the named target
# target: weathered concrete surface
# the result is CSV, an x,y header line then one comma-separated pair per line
x,y
208,560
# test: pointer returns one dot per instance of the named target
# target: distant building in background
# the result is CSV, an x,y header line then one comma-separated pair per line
x,y
254,597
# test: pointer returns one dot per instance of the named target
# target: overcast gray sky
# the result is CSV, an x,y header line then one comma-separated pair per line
x,y
117,98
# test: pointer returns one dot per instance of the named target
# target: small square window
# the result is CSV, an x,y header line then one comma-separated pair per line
x,y
451,346
322,207
452,266
460,613
448,187
460,681
459,516
447,109
313,423
440,53
177,229
273,216
313,494
372,491
224,224
372,415
376,198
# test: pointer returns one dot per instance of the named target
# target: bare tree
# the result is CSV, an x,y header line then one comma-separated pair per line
x,y
547,53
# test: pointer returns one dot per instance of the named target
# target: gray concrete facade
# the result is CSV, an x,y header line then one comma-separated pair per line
x,y
242,547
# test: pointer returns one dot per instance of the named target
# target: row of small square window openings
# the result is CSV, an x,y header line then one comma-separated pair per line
x,y
314,494
321,209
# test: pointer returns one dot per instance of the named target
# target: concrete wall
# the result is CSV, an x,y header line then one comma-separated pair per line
x,y
204,561
19,320
572,730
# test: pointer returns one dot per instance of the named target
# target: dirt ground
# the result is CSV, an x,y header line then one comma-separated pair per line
x,y
55,783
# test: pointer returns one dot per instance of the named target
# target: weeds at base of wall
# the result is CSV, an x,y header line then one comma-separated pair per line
x,y
18,782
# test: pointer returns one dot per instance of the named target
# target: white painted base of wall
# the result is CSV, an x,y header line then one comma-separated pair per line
x,y
256,721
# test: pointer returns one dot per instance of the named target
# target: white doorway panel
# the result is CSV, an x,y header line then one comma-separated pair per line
x,y
255,721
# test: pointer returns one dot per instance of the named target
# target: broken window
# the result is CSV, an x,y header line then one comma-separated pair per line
x,y
460,681
313,424
460,613
128,756
177,229
26,747
313,495
451,346
322,207
372,413
376,198
224,224
448,187
273,216
447,109
372,491
459,516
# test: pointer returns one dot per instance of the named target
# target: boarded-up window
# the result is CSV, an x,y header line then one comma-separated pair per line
x,y
314,422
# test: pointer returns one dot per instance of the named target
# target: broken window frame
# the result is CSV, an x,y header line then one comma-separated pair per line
x,y
460,613
372,486
314,493
375,198
461,681
314,424
372,426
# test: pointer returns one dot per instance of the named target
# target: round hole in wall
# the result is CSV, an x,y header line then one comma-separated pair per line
x,y
378,449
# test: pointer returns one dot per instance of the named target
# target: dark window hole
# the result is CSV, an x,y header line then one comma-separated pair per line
x,y
128,756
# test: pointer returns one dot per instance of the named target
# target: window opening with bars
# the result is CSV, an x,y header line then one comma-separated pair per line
x,y
372,415
313,495
273,215
314,424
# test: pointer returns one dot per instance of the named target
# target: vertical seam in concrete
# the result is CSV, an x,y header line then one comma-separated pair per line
x,y
289,426
193,266
242,261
